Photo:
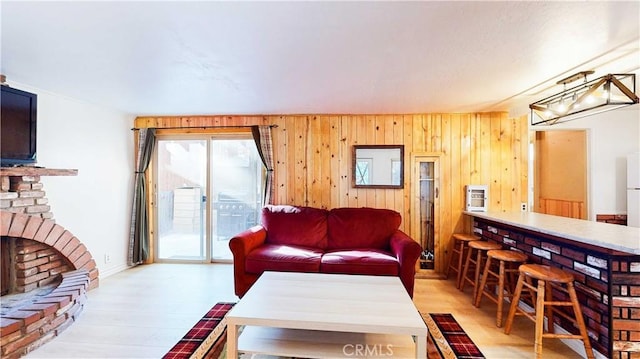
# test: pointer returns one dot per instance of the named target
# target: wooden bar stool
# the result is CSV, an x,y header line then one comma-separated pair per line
x,y
479,250
460,241
548,278
507,261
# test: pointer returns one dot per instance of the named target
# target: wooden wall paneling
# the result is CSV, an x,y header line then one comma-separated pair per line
x,y
520,174
358,137
370,139
292,167
335,155
484,149
418,131
408,137
389,139
326,178
300,183
346,192
279,161
506,155
442,144
467,129
399,195
377,198
416,138
433,125
313,158
314,162
496,169
436,128
474,149
458,172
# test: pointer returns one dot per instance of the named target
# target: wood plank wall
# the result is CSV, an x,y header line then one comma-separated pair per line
x,y
313,158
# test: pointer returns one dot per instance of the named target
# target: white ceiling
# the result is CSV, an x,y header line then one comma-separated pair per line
x,y
313,57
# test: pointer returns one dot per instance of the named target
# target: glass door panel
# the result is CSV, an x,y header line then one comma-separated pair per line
x,y
181,199
427,215
426,209
236,186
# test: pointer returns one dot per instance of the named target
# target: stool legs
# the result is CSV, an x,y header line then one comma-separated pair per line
x,y
543,298
514,304
457,265
580,320
540,298
463,278
477,264
502,272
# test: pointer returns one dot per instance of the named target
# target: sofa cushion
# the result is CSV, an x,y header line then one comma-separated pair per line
x,y
350,228
282,258
298,226
360,261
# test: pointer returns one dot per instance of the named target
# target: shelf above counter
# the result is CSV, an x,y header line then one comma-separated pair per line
x,y
36,171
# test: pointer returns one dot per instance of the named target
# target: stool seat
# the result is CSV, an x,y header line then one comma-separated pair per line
x,y
460,241
507,255
465,237
484,245
546,273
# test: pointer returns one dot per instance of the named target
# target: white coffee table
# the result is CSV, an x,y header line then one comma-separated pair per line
x,y
312,315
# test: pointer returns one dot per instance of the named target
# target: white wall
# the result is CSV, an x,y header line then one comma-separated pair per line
x,y
611,136
95,205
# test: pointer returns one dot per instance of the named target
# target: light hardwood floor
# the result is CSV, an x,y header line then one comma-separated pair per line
x,y
142,312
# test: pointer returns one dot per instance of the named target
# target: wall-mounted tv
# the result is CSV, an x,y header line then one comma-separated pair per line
x,y
17,127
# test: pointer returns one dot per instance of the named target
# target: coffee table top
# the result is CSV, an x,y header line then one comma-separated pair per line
x,y
330,302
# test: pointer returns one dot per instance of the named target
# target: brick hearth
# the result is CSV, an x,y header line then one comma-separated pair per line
x,y
39,257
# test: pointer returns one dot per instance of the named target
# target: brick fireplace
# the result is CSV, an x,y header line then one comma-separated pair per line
x,y
46,270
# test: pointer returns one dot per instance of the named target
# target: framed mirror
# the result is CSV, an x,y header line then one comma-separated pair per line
x,y
378,166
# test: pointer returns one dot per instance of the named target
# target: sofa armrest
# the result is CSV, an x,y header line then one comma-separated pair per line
x,y
407,251
244,242
240,245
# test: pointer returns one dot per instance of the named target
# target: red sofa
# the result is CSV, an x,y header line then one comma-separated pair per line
x,y
342,240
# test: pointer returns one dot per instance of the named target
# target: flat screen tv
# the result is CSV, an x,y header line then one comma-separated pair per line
x,y
17,127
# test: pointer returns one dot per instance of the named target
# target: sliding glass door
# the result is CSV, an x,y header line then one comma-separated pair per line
x,y
181,188
207,190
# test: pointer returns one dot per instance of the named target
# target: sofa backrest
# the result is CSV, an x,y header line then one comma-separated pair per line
x,y
301,226
361,227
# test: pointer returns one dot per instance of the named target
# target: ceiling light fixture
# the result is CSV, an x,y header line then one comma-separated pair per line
x,y
602,94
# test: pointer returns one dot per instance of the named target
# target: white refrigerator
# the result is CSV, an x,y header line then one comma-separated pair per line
x,y
633,190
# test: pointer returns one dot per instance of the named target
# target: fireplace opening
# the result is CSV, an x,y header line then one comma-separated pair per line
x,y
5,265
30,271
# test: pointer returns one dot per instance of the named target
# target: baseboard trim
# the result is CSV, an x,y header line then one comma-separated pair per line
x,y
113,270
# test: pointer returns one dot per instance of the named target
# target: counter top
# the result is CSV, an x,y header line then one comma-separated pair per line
x,y
605,235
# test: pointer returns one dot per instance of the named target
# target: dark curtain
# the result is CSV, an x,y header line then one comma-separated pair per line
x,y
139,230
262,137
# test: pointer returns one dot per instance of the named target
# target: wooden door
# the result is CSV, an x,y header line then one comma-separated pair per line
x,y
560,173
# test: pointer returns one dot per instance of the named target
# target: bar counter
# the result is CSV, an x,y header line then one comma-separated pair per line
x,y
604,259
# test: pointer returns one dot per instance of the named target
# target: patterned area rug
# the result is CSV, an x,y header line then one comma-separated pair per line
x,y
447,339
207,338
